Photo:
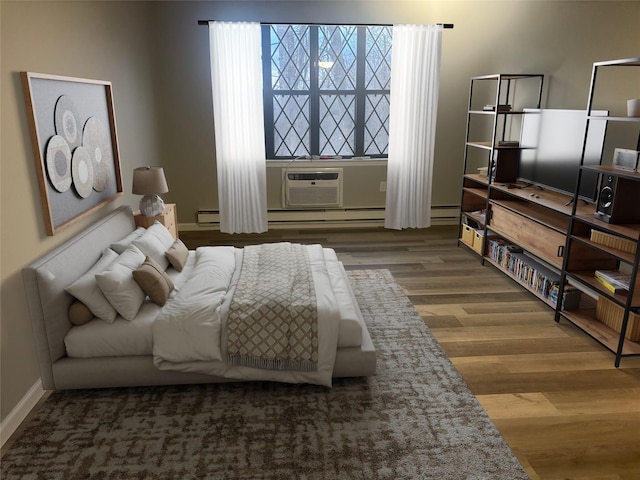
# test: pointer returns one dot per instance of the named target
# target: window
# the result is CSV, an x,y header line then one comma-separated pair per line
x,y
326,90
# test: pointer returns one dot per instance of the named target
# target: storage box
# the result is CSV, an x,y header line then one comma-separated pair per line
x,y
611,315
467,235
613,241
478,237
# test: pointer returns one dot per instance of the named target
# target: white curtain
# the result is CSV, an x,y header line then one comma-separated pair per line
x,y
236,77
415,82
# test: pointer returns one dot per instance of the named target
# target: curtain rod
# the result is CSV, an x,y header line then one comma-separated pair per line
x,y
444,25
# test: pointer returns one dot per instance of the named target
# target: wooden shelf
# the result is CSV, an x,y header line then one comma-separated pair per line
x,y
555,201
480,192
586,320
476,218
609,170
614,252
586,277
520,282
476,177
629,231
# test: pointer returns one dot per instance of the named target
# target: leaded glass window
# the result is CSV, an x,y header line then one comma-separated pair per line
x,y
326,90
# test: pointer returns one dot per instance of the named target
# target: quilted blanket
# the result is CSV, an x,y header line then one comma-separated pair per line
x,y
273,321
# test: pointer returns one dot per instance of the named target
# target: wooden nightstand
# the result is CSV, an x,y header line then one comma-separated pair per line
x,y
169,218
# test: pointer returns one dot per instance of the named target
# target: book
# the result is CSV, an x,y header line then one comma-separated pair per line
x,y
613,280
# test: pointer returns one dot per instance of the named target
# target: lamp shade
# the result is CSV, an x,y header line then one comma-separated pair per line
x,y
149,181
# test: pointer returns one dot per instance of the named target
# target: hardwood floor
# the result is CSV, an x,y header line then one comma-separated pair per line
x,y
552,391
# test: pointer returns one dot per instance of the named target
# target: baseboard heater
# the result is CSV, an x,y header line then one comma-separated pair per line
x,y
344,217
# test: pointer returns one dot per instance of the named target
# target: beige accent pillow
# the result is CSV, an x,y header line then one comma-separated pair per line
x,y
153,281
79,313
177,255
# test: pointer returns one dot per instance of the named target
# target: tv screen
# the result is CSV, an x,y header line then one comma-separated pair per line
x,y
552,142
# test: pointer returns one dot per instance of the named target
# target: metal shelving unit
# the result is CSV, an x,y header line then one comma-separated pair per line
x,y
580,268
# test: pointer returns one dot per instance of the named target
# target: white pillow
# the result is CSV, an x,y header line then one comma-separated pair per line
x,y
155,242
121,245
119,287
87,291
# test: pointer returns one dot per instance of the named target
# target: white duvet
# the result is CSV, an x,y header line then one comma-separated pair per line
x,y
187,335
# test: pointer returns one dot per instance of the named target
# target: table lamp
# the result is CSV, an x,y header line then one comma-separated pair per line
x,y
150,182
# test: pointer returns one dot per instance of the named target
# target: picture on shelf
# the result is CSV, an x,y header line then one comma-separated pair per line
x,y
625,159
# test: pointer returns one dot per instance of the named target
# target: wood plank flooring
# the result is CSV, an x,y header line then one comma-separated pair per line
x,y
552,391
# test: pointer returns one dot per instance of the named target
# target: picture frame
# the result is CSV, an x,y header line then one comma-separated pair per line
x,y
75,145
626,159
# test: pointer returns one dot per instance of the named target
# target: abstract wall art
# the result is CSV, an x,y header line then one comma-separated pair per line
x,y
75,145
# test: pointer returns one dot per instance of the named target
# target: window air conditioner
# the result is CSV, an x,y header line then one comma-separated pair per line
x,y
312,188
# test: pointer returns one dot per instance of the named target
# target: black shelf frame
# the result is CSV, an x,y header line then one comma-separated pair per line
x,y
623,346
504,89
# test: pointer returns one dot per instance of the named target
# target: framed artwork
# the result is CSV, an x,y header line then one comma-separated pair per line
x,y
75,145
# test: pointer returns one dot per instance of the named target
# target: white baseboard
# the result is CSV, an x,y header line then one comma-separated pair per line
x,y
323,219
20,412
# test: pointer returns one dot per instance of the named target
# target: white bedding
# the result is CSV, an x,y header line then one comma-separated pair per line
x,y
211,272
121,338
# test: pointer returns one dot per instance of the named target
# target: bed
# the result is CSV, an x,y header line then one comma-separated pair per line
x,y
161,340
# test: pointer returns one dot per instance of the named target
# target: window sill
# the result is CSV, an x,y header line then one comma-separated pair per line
x,y
345,162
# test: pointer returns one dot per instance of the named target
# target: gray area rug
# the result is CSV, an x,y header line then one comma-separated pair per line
x,y
416,419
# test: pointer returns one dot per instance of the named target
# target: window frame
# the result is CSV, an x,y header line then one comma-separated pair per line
x,y
314,96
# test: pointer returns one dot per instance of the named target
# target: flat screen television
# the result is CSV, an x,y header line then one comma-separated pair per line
x,y
552,142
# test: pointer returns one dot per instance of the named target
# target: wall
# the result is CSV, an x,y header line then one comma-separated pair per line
x,y
105,41
156,55
558,39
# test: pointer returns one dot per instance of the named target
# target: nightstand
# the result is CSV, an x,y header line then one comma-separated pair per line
x,y
168,218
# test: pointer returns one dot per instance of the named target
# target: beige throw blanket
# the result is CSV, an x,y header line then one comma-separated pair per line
x,y
273,319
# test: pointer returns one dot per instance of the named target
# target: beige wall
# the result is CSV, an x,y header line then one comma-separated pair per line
x,y
105,41
558,39
156,56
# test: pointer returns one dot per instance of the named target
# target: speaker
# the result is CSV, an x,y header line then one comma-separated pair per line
x,y
506,165
618,200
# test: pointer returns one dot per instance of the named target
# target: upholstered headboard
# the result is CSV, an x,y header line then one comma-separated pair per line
x,y
46,279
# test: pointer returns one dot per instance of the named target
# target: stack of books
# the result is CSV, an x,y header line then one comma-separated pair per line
x,y
531,273
614,281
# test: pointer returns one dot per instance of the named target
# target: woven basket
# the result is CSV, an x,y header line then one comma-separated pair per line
x,y
613,241
611,315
